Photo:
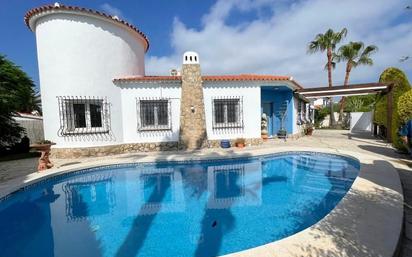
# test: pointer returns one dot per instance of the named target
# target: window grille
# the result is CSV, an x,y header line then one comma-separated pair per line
x,y
83,115
154,114
227,112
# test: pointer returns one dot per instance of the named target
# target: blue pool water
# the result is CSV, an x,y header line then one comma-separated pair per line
x,y
174,209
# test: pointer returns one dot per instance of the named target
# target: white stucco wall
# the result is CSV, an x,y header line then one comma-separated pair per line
x,y
130,92
361,121
297,129
133,90
251,108
79,55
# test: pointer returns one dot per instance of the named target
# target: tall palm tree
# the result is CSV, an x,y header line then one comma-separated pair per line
x,y
327,42
355,54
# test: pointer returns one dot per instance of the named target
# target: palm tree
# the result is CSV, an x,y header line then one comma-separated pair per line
x,y
355,54
327,42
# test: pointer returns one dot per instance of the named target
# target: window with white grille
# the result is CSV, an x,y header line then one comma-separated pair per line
x,y
154,114
227,112
83,115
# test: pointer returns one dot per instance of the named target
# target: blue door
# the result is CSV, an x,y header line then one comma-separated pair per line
x,y
268,110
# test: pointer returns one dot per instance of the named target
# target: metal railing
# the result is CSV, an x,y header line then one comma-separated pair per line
x,y
154,114
227,112
83,115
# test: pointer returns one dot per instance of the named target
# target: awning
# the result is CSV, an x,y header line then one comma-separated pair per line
x,y
354,89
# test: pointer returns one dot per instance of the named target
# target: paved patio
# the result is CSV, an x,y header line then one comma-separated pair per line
x,y
361,144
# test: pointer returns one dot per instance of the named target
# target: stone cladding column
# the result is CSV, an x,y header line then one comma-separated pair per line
x,y
192,110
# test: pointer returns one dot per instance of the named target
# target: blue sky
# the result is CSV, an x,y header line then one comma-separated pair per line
x,y
240,36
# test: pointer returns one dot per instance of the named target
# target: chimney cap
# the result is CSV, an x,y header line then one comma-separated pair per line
x,y
190,57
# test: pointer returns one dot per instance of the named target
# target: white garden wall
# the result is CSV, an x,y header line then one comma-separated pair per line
x,y
361,121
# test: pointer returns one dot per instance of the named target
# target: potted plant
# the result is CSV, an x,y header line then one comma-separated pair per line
x,y
309,130
282,133
240,142
43,146
264,127
281,114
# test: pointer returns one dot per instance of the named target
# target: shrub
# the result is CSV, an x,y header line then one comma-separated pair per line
x,y
361,103
405,107
320,115
400,86
380,115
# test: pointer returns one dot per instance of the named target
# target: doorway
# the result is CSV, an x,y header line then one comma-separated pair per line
x,y
268,110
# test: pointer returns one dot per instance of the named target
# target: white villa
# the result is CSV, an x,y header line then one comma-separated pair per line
x,y
97,98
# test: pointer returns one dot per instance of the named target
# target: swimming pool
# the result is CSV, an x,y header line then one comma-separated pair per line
x,y
204,208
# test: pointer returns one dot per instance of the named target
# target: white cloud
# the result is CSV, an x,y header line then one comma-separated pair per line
x,y
112,10
277,44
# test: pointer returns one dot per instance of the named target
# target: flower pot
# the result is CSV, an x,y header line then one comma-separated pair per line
x,y
281,133
41,147
265,137
240,145
225,144
309,132
44,161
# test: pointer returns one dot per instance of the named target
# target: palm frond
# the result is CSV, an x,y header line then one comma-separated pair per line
x,y
313,47
364,60
369,50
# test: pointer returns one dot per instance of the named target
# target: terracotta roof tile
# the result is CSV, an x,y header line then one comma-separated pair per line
x,y
241,77
46,8
244,77
148,78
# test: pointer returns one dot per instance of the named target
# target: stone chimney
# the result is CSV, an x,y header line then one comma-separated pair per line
x,y
192,109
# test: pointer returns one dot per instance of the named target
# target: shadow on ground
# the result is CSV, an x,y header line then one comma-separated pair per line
x,y
358,235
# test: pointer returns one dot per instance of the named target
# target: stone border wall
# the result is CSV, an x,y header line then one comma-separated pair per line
x,y
81,152
248,142
70,153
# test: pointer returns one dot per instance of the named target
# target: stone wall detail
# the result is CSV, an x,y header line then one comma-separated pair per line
x,y
71,153
192,111
248,142
82,152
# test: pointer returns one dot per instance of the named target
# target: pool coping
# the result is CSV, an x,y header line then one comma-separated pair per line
x,y
348,230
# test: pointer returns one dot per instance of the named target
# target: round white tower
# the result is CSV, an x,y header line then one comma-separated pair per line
x,y
80,52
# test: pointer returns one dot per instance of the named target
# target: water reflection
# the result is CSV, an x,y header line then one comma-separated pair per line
x,y
234,185
89,195
160,190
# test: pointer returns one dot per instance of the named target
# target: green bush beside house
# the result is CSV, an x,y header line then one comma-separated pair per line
x,y
405,107
400,86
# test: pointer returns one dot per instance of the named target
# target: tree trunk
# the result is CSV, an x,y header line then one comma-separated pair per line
x,y
346,83
332,116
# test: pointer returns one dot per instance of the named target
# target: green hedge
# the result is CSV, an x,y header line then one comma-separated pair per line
x,y
405,107
380,115
401,85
